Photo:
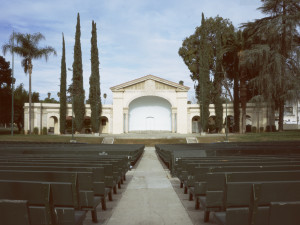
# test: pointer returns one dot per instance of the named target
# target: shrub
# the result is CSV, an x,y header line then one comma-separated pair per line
x,y
45,131
268,128
274,128
36,130
261,129
253,129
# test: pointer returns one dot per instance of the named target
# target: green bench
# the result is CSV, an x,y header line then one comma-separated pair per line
x,y
102,184
112,173
82,186
14,212
253,202
132,151
188,177
49,203
215,197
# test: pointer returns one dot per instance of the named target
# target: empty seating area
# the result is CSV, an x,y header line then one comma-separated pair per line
x,y
239,183
60,183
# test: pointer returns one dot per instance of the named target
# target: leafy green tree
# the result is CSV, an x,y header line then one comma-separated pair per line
x,y
95,93
278,76
5,91
20,97
27,47
63,87
218,31
77,90
202,53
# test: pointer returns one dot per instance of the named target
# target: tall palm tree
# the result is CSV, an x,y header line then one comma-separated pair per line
x,y
27,47
233,52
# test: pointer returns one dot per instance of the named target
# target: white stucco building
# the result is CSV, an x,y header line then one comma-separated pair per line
x,y
146,104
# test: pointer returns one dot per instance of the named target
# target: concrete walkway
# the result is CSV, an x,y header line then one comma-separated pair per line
x,y
149,198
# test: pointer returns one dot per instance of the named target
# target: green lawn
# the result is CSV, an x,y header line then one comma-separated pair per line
x,y
257,137
266,136
49,138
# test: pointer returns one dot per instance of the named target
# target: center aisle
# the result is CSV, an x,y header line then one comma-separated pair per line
x,y
149,197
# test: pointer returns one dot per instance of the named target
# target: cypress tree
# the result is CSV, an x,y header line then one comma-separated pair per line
x,y
204,84
95,93
195,54
63,86
218,78
78,92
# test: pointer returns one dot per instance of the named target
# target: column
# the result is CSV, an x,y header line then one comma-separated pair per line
x,y
126,118
173,120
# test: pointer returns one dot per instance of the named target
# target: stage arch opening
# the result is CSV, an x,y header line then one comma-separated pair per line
x,y
150,113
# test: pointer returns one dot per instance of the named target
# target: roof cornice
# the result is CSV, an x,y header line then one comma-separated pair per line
x,y
121,87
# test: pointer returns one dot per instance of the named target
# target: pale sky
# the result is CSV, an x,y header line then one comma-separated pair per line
x,y
135,37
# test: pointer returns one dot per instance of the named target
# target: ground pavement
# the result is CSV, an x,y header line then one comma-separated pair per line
x,y
150,196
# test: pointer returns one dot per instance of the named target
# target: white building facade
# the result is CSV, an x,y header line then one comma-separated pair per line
x,y
147,104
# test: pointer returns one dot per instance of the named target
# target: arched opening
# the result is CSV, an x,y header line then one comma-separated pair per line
x,y
150,113
211,123
87,129
196,125
230,123
103,129
52,126
248,123
69,125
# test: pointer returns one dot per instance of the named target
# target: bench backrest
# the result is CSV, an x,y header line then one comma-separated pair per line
x,y
14,212
37,194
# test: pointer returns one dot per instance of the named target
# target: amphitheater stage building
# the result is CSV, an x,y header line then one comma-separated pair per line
x,y
149,104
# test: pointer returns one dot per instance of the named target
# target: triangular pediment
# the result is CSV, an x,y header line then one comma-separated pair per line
x,y
143,82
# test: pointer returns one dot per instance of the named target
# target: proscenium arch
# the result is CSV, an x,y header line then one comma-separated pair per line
x,y
150,113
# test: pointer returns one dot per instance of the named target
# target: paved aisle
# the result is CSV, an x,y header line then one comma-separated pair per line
x,y
149,197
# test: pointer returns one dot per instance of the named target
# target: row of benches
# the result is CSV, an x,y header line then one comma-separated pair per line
x,y
240,188
51,184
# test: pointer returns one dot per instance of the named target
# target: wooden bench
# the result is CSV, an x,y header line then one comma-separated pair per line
x,y
101,184
48,202
111,173
189,177
215,197
199,180
82,185
251,202
14,212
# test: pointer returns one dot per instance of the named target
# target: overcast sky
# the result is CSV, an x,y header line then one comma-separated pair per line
x,y
135,37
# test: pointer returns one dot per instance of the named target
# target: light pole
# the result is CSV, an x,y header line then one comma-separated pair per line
x,y
72,94
12,86
226,121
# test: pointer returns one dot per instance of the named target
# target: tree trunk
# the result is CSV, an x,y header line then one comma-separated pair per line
x,y
284,53
281,113
271,117
243,93
236,103
30,109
